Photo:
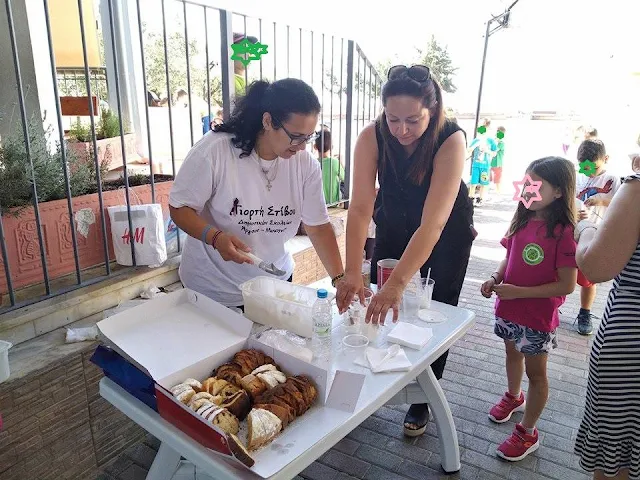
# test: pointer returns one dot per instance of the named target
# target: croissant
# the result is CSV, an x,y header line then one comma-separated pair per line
x,y
231,372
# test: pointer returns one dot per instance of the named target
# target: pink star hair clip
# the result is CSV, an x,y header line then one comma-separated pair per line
x,y
527,191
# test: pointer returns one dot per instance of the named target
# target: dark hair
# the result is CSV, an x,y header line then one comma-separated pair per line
x,y
238,37
281,99
560,173
486,121
323,140
501,129
430,94
591,150
592,132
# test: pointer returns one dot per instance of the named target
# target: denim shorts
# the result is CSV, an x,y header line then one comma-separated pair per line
x,y
527,340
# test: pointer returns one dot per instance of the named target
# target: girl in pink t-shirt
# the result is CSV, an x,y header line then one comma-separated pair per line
x,y
531,283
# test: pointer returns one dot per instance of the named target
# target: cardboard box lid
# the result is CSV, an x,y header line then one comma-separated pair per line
x,y
172,332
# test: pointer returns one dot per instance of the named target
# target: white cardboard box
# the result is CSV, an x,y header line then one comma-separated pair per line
x,y
185,334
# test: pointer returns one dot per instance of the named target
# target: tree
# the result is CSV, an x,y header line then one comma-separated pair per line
x,y
177,60
439,62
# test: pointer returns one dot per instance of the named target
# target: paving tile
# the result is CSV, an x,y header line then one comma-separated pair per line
x,y
345,463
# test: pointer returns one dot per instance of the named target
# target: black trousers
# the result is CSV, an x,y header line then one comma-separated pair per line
x,y
448,263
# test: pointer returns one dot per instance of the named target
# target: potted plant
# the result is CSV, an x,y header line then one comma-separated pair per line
x,y
18,216
107,140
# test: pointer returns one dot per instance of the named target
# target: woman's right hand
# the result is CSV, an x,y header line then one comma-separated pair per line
x,y
232,249
349,286
487,288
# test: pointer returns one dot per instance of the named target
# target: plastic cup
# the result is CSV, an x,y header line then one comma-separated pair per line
x,y
354,345
411,301
385,268
353,318
366,273
426,292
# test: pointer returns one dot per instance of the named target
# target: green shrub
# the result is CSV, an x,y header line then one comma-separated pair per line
x,y
107,126
16,175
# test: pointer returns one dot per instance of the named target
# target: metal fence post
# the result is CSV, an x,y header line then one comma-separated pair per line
x,y
349,120
226,65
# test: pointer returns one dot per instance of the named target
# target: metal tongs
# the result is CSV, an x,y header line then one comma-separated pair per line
x,y
267,267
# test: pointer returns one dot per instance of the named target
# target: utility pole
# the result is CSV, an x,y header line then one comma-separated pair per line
x,y
502,21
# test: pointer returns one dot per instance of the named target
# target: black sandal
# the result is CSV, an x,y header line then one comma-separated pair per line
x,y
416,419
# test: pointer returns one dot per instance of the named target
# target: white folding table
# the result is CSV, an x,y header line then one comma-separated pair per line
x,y
418,385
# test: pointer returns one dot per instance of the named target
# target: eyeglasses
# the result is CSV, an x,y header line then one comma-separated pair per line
x,y
296,140
419,73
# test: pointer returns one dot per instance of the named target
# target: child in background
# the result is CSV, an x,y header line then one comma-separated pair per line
x,y
531,283
332,169
595,190
482,150
496,162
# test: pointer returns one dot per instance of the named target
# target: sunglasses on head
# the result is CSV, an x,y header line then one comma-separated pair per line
x,y
419,73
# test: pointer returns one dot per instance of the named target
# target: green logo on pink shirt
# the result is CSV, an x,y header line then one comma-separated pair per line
x,y
533,254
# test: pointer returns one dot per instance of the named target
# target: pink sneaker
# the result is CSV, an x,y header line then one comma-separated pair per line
x,y
519,444
501,412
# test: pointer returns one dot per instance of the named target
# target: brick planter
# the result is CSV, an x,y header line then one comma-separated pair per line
x,y
21,235
109,150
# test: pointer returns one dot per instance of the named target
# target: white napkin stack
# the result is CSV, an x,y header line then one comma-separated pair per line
x,y
410,335
379,360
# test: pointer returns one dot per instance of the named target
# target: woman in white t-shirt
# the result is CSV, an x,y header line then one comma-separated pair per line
x,y
246,186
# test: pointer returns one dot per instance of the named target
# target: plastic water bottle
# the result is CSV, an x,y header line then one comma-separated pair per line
x,y
322,322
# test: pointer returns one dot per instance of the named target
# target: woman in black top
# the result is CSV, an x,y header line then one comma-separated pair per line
x,y
422,211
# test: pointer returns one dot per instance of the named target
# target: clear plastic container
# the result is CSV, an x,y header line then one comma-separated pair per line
x,y
279,304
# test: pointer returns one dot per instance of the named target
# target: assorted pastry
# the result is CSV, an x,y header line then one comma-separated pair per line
x,y
249,387
277,407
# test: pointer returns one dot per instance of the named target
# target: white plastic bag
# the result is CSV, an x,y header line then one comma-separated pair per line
x,y
148,234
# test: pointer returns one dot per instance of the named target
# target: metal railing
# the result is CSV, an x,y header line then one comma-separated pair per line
x,y
71,81
344,79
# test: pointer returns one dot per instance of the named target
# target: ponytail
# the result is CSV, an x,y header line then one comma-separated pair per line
x,y
281,99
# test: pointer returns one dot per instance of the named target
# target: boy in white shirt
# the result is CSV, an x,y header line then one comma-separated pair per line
x,y
595,188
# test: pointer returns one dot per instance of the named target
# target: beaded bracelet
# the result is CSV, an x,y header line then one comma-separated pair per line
x,y
215,237
335,279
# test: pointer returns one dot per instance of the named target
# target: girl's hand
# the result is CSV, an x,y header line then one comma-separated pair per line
x,y
347,287
507,291
593,202
583,214
487,288
232,249
388,298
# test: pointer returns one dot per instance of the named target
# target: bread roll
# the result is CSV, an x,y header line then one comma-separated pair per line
x,y
263,427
